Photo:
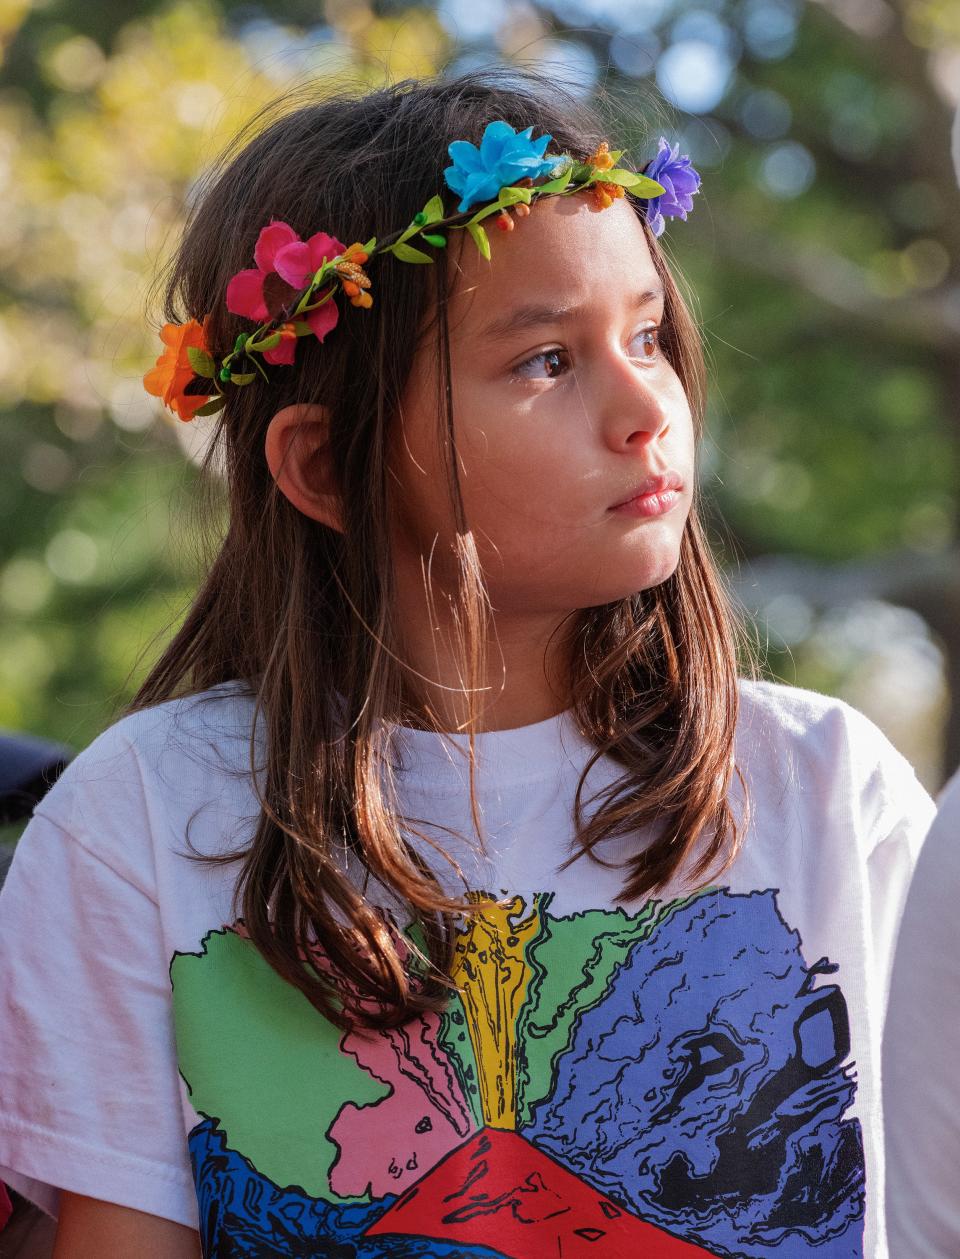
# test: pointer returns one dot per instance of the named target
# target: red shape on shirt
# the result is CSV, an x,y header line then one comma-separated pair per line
x,y
498,1190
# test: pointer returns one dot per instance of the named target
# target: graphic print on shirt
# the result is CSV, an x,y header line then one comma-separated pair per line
x,y
670,1083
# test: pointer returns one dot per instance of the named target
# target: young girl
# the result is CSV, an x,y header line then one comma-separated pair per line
x,y
447,892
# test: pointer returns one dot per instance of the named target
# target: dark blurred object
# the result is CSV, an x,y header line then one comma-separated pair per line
x,y
28,769
29,1234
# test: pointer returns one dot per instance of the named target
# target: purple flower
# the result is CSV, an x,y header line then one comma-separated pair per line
x,y
680,181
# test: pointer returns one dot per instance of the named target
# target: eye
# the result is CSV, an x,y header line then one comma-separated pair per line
x,y
549,364
649,341
551,360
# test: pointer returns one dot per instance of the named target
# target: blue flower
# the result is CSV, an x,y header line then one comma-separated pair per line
x,y
680,181
504,157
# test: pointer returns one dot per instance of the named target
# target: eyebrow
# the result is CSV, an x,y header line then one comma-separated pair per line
x,y
533,315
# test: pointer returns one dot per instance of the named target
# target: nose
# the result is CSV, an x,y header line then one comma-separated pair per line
x,y
632,401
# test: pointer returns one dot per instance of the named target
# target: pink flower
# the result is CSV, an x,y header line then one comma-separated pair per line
x,y
280,251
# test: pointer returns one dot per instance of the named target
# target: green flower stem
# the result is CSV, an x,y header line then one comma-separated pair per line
x,y
459,221
304,298
301,309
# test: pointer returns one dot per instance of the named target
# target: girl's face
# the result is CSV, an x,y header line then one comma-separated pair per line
x,y
564,406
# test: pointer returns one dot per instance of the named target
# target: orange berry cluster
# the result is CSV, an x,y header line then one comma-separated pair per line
x,y
353,279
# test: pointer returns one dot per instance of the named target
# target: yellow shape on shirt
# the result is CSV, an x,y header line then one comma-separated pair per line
x,y
492,972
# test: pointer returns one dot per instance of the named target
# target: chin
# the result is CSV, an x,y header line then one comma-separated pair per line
x,y
632,584
653,569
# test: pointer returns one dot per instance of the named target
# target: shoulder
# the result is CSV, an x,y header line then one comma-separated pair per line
x,y
138,782
805,719
208,731
828,748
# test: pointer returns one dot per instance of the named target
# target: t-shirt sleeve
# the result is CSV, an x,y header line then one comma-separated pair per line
x,y
89,1090
921,1050
897,811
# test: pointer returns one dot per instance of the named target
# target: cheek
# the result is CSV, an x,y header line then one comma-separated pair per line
x,y
515,479
518,453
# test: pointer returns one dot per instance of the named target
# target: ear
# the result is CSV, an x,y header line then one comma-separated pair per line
x,y
298,455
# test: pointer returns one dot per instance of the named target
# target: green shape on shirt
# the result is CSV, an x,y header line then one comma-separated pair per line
x,y
259,1058
454,1040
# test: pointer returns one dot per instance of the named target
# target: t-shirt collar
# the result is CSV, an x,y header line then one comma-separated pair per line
x,y
504,757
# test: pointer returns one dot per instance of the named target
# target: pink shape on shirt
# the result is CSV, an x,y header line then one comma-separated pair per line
x,y
387,1146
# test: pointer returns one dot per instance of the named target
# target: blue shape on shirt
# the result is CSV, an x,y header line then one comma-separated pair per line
x,y
244,1215
707,1090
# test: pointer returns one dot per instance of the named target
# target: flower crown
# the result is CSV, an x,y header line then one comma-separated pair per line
x,y
290,292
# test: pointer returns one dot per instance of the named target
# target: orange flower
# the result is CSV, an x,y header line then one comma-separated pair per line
x,y
600,157
604,195
173,372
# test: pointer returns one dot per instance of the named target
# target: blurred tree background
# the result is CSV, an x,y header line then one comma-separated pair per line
x,y
824,254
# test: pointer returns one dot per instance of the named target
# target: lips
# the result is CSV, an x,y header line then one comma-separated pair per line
x,y
669,480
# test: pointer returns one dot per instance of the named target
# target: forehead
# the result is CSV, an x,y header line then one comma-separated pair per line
x,y
565,252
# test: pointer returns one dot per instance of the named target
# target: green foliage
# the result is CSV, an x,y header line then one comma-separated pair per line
x,y
407,253
514,196
833,426
201,362
480,239
558,184
213,406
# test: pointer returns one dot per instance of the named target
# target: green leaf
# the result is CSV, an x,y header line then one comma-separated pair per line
x,y
512,195
630,179
643,186
555,185
480,238
435,239
407,253
213,406
301,328
370,245
242,378
201,362
433,209
320,274
325,296
266,344
485,212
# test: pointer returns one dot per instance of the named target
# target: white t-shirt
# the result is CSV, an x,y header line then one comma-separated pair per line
x,y
690,1075
921,1051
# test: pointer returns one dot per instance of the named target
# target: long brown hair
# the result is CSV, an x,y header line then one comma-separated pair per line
x,y
302,614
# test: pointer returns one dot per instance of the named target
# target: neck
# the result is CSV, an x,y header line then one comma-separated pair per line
x,y
526,673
